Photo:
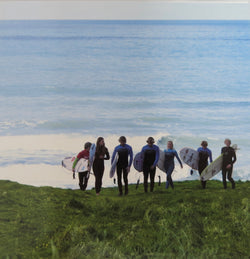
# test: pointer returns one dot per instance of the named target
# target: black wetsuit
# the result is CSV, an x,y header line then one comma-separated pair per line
x,y
150,158
124,151
229,158
204,155
98,168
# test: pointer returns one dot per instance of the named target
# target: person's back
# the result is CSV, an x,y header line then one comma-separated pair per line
x,y
123,153
149,155
205,154
82,175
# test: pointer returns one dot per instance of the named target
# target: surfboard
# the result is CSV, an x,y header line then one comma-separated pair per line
x,y
113,166
190,157
67,162
215,167
212,169
138,162
81,166
92,155
161,161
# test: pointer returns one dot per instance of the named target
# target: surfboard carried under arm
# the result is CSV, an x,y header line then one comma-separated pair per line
x,y
190,157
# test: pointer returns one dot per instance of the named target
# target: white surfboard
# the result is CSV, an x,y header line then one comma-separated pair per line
x,y
67,162
212,169
215,167
113,166
92,155
161,162
138,162
190,157
81,166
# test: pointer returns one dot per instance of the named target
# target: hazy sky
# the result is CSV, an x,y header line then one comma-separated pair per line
x,y
127,9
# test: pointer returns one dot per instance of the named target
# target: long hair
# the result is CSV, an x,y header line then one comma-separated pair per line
x,y
100,149
171,142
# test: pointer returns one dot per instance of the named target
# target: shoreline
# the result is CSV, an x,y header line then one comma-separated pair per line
x,y
36,159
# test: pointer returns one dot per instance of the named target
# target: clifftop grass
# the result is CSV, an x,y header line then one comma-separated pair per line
x,y
188,222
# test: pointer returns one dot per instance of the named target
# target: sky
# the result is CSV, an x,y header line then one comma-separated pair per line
x,y
125,10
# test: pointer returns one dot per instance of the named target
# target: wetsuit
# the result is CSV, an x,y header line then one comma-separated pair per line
x,y
204,155
169,165
124,151
229,158
150,156
83,176
98,168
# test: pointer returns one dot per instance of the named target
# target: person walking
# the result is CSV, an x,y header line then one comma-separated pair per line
x,y
229,158
204,154
124,152
170,154
83,176
150,156
101,154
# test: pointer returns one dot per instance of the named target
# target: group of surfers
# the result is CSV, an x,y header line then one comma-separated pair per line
x,y
150,154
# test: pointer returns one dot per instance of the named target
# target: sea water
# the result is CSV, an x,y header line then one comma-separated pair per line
x,y
66,82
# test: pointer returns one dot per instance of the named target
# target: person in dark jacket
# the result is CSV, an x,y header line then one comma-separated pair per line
x,y
124,152
204,154
101,154
150,155
229,158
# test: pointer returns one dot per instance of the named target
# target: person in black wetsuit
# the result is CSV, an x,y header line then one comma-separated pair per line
x,y
169,165
150,155
229,158
123,166
101,154
204,155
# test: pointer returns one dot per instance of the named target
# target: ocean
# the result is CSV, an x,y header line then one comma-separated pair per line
x,y
63,83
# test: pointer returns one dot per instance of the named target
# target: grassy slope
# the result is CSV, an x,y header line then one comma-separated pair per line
x,y
187,222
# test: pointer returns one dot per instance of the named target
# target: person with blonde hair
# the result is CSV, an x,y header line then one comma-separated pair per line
x,y
229,158
170,154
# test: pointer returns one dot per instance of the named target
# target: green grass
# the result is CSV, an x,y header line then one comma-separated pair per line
x,y
185,223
